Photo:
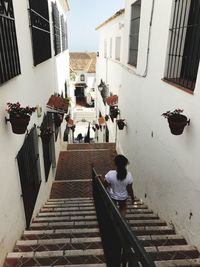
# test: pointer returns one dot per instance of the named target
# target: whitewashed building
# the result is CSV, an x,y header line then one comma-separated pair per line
x,y
158,70
34,64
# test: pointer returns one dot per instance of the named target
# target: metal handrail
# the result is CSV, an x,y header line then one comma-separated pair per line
x,y
134,252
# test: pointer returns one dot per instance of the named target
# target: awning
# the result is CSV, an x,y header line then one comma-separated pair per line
x,y
112,100
58,103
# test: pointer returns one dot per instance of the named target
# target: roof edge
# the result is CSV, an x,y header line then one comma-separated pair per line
x,y
118,13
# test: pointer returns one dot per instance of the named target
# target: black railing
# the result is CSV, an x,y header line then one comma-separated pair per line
x,y
121,246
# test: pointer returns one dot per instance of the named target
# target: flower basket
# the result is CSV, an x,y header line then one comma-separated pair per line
x,y
19,124
177,121
46,134
19,117
58,118
121,124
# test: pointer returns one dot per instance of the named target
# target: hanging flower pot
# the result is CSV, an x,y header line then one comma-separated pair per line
x,y
106,117
177,121
46,134
121,124
19,117
114,111
19,124
58,118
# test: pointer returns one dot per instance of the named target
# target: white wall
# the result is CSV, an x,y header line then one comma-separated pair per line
x,y
165,167
33,87
109,69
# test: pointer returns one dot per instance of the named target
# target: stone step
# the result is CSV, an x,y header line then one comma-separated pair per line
x,y
61,205
58,244
56,257
61,233
71,199
71,224
141,209
72,240
153,230
180,262
65,218
145,223
69,213
159,253
161,240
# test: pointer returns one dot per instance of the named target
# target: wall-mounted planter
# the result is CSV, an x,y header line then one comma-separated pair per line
x,y
121,124
177,123
19,124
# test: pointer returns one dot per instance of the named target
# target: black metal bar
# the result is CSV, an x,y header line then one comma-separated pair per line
x,y
112,225
181,42
9,57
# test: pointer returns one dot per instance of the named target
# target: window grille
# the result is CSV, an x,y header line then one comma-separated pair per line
x,y
117,47
134,33
47,146
29,171
64,34
82,78
40,28
56,28
184,45
9,56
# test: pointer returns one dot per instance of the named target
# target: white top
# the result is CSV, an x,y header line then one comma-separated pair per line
x,y
118,189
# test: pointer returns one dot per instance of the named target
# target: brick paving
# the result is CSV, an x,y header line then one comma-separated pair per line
x,y
75,164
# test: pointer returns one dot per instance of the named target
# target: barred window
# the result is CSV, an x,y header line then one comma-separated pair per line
x,y
9,56
117,47
134,33
56,28
40,28
64,34
184,48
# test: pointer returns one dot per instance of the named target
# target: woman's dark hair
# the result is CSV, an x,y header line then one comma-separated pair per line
x,y
121,163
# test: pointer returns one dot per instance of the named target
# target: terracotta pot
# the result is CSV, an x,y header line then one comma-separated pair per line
x,y
120,124
177,123
19,124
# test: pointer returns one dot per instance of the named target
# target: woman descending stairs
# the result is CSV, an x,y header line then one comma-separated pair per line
x,y
65,233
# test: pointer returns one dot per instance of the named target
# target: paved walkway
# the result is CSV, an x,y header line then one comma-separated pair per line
x,y
73,176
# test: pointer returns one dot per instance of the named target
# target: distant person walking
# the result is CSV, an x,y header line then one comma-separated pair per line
x,y
120,182
79,137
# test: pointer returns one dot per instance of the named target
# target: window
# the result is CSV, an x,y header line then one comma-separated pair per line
x,y
64,34
9,56
110,47
134,33
105,48
184,48
117,48
56,29
40,29
82,77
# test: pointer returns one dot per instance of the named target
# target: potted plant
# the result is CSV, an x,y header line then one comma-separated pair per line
x,y
19,117
121,124
176,120
58,118
114,111
46,134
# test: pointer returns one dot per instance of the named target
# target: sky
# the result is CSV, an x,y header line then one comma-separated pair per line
x,y
82,19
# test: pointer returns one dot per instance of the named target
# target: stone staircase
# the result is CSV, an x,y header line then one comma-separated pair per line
x,y
66,234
